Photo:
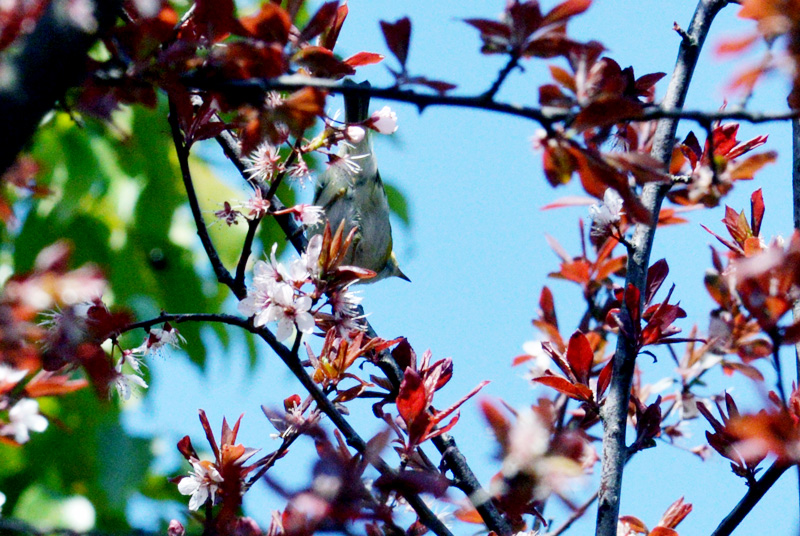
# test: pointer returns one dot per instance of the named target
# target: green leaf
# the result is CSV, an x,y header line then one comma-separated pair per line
x,y
398,204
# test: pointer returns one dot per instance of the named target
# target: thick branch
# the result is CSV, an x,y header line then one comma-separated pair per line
x,y
615,411
754,494
51,60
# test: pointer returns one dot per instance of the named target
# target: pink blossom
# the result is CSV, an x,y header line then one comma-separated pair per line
x,y
383,121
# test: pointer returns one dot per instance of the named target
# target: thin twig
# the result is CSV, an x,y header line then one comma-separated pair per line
x,y
755,492
576,515
223,276
615,411
513,62
247,249
290,227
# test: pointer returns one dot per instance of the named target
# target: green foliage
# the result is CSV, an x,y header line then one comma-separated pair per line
x,y
84,452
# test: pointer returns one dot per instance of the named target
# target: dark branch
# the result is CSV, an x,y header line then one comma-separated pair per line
x,y
223,276
253,90
290,358
754,494
513,62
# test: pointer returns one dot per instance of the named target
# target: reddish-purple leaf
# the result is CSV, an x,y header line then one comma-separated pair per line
x,y
491,28
566,10
656,275
411,400
398,36
756,211
331,34
322,20
580,356
564,386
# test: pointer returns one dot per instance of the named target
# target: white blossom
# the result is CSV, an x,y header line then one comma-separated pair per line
x,y
607,213
23,418
200,484
384,121
10,374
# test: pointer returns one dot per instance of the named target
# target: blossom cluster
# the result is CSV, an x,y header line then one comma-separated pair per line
x,y
286,294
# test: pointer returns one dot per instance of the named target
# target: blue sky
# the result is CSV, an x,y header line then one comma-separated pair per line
x,y
477,255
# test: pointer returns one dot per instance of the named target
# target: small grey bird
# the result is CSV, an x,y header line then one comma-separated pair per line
x,y
359,199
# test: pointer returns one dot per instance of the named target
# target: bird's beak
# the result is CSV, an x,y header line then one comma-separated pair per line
x,y
402,276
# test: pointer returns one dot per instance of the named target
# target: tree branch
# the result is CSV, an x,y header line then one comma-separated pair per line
x,y
513,62
754,494
796,210
615,411
253,90
223,276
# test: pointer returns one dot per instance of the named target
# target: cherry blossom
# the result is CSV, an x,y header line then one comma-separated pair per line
x,y
263,163
200,484
288,310
607,213
127,384
24,417
383,121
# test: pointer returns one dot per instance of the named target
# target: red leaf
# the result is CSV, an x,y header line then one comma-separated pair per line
x,y
322,20
564,386
565,10
491,28
321,62
411,400
580,356
547,305
398,35
271,24
331,35
439,86
563,77
363,58
756,212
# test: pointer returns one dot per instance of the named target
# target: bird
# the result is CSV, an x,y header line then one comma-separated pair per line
x,y
358,198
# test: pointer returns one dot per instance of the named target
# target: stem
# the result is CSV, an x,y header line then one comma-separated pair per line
x,y
576,515
223,276
247,249
754,494
616,408
513,61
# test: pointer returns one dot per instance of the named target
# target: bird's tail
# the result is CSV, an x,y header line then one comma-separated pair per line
x,y
356,106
